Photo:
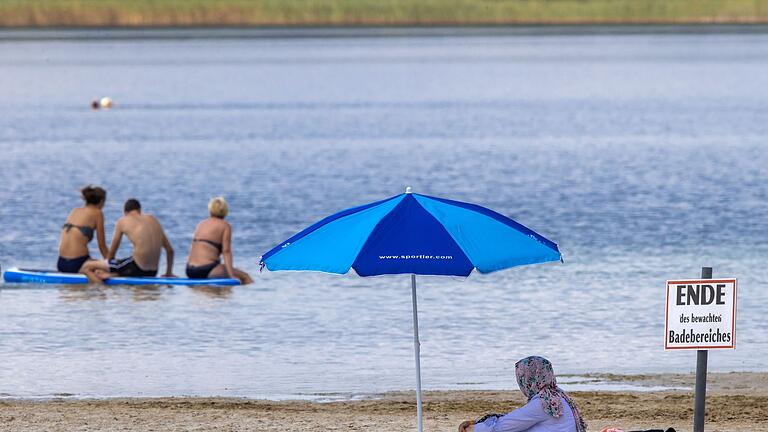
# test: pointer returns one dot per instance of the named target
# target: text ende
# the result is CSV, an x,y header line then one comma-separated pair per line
x,y
700,294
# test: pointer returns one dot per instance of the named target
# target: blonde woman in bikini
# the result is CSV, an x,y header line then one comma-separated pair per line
x,y
211,242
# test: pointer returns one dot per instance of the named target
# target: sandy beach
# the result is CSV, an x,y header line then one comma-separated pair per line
x,y
736,402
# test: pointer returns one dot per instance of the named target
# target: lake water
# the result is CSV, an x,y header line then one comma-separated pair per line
x,y
643,156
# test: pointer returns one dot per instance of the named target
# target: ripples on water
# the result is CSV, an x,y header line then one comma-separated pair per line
x,y
642,156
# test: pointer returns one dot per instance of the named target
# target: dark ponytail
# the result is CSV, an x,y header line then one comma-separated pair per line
x,y
93,194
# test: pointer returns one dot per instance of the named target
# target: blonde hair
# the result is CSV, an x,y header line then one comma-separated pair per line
x,y
218,207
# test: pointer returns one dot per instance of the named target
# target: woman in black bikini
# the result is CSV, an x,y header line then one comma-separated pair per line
x,y
78,231
212,240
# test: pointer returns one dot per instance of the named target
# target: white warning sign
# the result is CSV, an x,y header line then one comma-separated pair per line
x,y
701,314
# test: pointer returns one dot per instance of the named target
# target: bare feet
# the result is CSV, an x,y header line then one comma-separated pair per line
x,y
96,271
92,277
244,277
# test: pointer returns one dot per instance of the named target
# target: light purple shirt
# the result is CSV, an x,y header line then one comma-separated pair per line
x,y
530,418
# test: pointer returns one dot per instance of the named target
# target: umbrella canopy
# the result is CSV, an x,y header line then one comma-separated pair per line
x,y
412,234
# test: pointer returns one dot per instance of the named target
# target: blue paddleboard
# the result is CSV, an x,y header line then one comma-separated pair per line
x,y
16,275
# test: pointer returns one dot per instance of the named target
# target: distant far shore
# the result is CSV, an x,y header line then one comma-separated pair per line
x,y
351,13
118,33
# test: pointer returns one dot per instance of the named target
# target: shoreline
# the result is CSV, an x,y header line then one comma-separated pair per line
x,y
736,401
299,32
718,383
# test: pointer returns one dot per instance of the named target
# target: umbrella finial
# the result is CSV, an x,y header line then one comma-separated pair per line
x,y
408,189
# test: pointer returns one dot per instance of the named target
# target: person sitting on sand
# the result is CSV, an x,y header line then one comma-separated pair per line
x,y
549,408
78,231
213,239
148,238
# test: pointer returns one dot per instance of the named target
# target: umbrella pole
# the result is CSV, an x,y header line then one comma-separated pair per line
x,y
417,354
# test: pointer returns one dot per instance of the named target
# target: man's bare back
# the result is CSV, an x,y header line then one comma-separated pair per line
x,y
146,235
148,238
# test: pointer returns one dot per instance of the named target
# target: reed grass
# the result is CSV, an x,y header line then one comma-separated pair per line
x,y
130,13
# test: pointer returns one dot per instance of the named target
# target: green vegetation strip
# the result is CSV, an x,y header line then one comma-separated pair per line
x,y
128,13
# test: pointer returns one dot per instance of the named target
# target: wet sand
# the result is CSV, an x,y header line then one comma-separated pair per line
x,y
735,402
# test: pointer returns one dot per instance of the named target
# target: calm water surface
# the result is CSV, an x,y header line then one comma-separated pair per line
x,y
643,156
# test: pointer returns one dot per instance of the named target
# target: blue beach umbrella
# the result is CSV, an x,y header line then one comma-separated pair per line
x,y
412,234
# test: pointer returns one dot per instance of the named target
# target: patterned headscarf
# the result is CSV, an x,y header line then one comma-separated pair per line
x,y
536,377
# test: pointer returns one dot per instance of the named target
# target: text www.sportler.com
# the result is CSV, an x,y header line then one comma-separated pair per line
x,y
410,257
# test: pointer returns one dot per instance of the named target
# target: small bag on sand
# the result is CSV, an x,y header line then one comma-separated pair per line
x,y
487,416
657,430
614,429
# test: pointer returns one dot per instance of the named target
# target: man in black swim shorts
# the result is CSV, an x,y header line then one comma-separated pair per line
x,y
128,267
148,238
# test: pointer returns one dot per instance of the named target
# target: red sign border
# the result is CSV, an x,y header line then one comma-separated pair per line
x,y
700,281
